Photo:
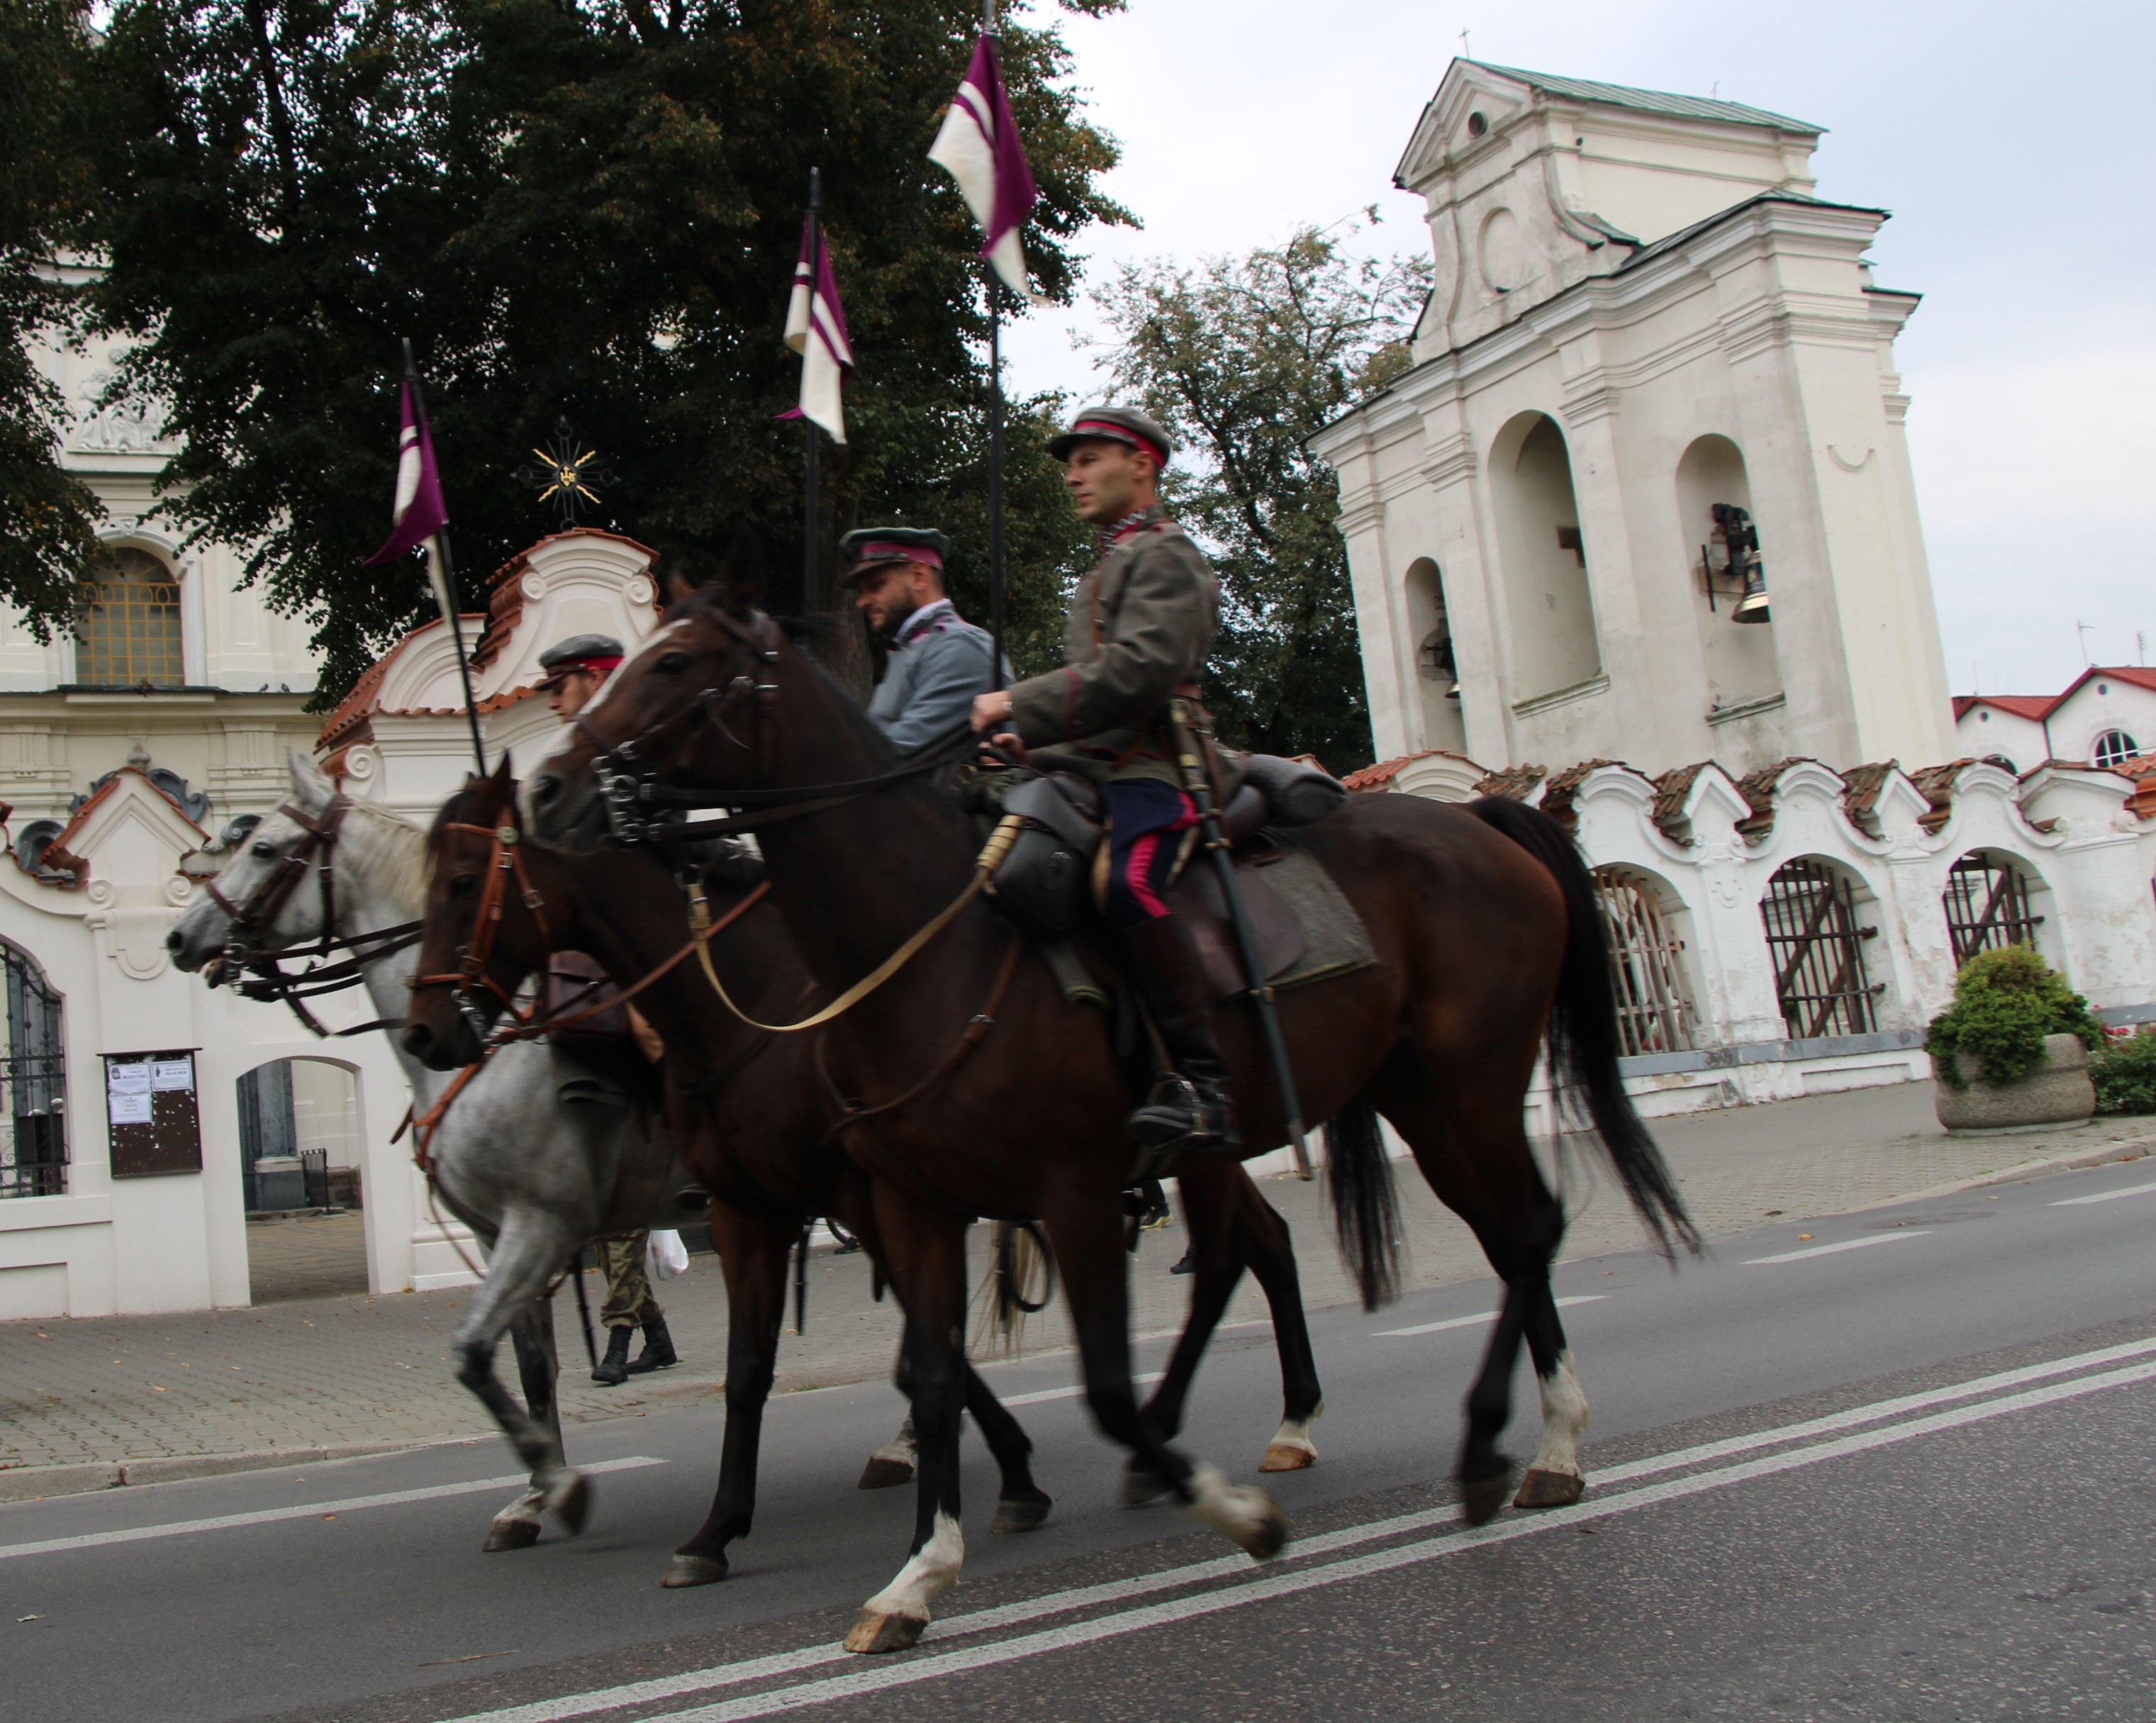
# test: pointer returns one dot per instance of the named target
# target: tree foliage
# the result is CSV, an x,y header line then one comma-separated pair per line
x,y
578,208
47,517
1242,359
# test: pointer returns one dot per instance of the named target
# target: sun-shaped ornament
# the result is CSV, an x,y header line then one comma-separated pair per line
x,y
564,477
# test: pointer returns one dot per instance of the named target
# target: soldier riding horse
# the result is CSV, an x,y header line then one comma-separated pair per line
x,y
944,1027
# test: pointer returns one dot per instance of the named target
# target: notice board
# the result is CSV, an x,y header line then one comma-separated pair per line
x,y
153,1123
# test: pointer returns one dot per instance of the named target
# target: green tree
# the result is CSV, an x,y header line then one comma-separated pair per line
x,y
1242,359
587,207
47,517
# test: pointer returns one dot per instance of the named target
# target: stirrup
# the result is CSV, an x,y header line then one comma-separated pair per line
x,y
1177,1119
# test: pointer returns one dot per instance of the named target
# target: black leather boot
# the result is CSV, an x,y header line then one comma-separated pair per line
x,y
612,1370
1191,1110
658,1353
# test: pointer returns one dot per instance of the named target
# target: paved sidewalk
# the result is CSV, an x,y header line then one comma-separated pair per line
x,y
298,1375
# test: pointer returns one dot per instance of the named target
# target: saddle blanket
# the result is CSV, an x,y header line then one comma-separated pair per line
x,y
1307,929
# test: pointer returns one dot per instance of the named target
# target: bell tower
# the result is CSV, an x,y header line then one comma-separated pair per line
x,y
1647,478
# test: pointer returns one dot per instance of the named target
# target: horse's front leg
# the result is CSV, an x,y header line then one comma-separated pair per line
x,y
527,1254
752,1253
1021,1505
926,1250
1088,1236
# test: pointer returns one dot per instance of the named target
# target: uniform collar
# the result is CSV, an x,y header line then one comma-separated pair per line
x,y
1112,536
921,619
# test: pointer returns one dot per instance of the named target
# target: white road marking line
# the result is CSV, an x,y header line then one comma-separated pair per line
x,y
1828,1250
1431,1328
1073,1392
2106,1196
664,1687
1272,1585
309,1510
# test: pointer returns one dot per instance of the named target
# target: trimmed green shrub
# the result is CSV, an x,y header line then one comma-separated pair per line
x,y
2124,1071
2006,1002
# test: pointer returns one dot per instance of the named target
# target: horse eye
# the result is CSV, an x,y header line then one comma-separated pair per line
x,y
463,885
672,664
265,850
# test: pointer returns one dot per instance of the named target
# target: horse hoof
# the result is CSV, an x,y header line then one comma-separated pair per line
x,y
570,1501
1242,1513
685,1570
1021,1513
881,1474
874,1631
1549,1490
1140,1488
1480,1498
1288,1456
511,1534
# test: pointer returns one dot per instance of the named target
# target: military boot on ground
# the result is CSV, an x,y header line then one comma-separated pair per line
x,y
613,1369
1190,1110
658,1353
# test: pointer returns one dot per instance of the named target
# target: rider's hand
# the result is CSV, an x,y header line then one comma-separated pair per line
x,y
992,708
1013,747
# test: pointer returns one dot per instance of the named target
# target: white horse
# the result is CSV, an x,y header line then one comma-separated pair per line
x,y
535,1177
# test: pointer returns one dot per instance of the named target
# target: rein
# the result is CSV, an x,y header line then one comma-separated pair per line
x,y
505,862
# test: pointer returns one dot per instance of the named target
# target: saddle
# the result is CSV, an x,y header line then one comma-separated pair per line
x,y
1044,882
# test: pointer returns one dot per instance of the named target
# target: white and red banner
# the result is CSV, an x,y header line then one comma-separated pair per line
x,y
816,329
978,146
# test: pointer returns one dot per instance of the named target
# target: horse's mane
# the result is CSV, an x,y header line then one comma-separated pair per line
x,y
402,858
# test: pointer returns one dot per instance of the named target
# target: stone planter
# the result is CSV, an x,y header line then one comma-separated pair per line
x,y
2057,1092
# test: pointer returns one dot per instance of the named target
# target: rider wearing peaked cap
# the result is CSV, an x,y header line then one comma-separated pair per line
x,y
1139,626
937,660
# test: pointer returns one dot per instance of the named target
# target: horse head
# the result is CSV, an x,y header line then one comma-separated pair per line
x,y
494,909
269,896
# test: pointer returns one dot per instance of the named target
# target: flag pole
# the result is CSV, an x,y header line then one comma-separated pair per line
x,y
812,595
442,574
996,589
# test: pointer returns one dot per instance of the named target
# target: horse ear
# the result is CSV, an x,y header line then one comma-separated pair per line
x,y
501,780
309,784
741,576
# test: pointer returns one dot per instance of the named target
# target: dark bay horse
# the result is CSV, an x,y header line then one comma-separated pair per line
x,y
753,1128
1488,941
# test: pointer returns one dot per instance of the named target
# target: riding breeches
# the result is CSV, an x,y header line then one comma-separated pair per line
x,y
1147,821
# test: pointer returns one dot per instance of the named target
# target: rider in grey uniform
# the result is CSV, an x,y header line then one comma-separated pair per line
x,y
939,661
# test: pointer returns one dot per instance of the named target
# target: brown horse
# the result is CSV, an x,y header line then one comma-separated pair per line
x,y
1484,923
746,1101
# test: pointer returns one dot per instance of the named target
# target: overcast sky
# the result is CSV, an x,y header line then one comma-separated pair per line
x,y
2012,144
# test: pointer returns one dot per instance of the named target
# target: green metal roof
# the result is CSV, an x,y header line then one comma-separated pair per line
x,y
1651,101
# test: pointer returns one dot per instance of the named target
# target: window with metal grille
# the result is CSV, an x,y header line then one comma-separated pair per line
x,y
1815,944
1647,964
1987,903
34,1157
127,627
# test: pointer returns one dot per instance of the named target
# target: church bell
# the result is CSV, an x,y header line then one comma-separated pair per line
x,y
1742,539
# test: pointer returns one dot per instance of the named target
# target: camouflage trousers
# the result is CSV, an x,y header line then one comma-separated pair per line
x,y
629,1301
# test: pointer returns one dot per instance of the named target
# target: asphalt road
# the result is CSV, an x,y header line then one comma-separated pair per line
x,y
1902,1469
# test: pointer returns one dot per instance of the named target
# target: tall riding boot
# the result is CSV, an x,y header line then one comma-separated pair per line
x,y
1193,1112
612,1370
658,1353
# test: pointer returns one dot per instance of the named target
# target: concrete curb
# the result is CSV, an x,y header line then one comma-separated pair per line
x,y
2126,1149
25,1483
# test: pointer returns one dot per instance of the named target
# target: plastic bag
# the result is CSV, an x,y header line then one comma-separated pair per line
x,y
664,1255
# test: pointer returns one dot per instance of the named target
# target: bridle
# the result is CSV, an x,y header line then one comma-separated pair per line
x,y
640,810
255,973
505,865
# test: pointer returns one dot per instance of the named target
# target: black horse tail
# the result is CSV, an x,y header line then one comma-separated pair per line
x,y
1584,1043
1366,1207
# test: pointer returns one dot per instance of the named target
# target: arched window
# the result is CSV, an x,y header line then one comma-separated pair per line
x,y
1987,905
127,630
1544,558
1646,964
1815,945
1437,665
33,1155
2113,746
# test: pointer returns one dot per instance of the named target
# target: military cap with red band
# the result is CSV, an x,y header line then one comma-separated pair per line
x,y
873,547
1115,425
600,652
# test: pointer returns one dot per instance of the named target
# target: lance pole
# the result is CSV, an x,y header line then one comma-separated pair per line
x,y
442,572
996,588
812,583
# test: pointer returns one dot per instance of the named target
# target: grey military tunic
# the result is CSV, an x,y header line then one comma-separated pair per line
x,y
1139,626
938,663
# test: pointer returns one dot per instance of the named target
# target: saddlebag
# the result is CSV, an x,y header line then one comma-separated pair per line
x,y
570,988
1043,881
